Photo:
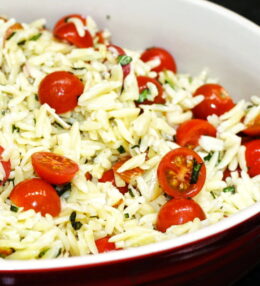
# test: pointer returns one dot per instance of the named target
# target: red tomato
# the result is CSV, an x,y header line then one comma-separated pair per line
x,y
88,176
227,173
178,211
6,165
100,37
128,175
103,245
181,173
60,90
253,157
36,194
253,129
142,84
216,101
120,52
67,31
53,168
189,132
167,61
109,176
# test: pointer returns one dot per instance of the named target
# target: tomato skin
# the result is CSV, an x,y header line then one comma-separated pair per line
x,y
253,157
178,211
109,176
216,101
253,129
53,168
100,36
38,195
103,245
175,170
60,90
142,84
120,52
166,59
227,173
6,165
66,31
189,132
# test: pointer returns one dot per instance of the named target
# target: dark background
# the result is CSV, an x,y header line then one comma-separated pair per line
x,y
251,10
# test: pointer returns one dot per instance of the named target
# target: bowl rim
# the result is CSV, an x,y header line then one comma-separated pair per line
x,y
170,245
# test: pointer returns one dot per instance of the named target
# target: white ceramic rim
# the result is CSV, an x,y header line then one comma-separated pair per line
x,y
151,249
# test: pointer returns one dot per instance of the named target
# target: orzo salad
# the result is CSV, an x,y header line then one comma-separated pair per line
x,y
104,148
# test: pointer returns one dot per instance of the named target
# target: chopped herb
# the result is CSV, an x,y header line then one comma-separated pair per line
x,y
59,252
213,195
21,43
230,189
61,189
121,149
73,217
208,157
249,106
78,68
14,208
143,95
3,112
13,33
135,146
131,193
195,172
15,128
124,60
93,216
35,37
77,225
58,125
126,215
43,252
108,17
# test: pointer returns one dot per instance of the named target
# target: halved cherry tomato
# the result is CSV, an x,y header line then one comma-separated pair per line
x,y
6,165
142,84
216,101
253,128
189,132
109,176
178,211
120,52
53,168
67,31
36,194
128,175
13,29
103,245
253,157
181,173
60,90
167,61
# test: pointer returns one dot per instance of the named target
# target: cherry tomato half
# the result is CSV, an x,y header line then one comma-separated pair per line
x,y
67,31
38,195
216,101
109,176
142,84
253,157
100,37
189,132
167,61
253,128
181,173
60,90
128,175
103,245
178,211
120,52
6,165
53,168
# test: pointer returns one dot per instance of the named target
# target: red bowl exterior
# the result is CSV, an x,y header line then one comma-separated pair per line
x,y
216,260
